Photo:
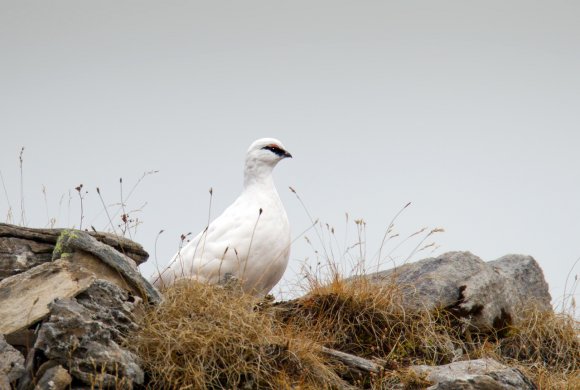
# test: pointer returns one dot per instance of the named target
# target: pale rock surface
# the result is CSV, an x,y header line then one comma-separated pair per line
x,y
35,289
481,374
526,277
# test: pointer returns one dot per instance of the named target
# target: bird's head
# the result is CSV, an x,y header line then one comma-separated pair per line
x,y
267,151
262,157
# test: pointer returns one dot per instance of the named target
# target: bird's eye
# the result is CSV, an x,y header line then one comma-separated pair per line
x,y
275,149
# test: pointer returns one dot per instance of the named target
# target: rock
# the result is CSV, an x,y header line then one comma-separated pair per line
x,y
489,295
526,277
481,374
113,306
107,257
11,364
18,255
54,378
68,298
24,298
65,277
85,334
31,236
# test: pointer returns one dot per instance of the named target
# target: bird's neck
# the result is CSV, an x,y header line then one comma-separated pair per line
x,y
258,176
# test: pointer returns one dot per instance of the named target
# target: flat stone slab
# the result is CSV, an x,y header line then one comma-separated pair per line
x,y
25,298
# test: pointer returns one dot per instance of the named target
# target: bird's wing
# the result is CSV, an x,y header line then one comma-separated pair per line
x,y
218,250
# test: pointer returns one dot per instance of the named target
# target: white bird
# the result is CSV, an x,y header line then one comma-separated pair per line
x,y
250,240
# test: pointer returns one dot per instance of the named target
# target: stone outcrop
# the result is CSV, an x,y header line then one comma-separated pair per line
x,y
68,299
488,295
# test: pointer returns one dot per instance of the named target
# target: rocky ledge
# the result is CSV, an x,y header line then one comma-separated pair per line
x,y
69,299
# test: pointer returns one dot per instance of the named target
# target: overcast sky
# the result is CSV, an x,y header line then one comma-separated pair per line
x,y
471,111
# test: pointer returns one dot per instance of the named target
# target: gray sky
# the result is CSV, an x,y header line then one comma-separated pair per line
x,y
469,110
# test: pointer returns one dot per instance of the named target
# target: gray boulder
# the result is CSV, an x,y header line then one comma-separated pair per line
x,y
489,295
85,334
526,277
481,374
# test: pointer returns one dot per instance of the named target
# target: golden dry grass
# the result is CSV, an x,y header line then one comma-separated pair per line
x,y
208,337
214,337
546,346
369,320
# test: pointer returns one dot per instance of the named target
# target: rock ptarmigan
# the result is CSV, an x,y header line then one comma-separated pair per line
x,y
250,240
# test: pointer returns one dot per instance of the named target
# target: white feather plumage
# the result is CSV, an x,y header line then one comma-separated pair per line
x,y
250,240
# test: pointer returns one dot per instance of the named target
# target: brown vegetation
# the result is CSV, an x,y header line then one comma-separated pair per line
x,y
214,337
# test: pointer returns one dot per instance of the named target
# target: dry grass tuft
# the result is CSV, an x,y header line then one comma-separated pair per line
x,y
545,337
369,320
546,346
206,337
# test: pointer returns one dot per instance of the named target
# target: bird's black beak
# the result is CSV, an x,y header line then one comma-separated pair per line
x,y
286,155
